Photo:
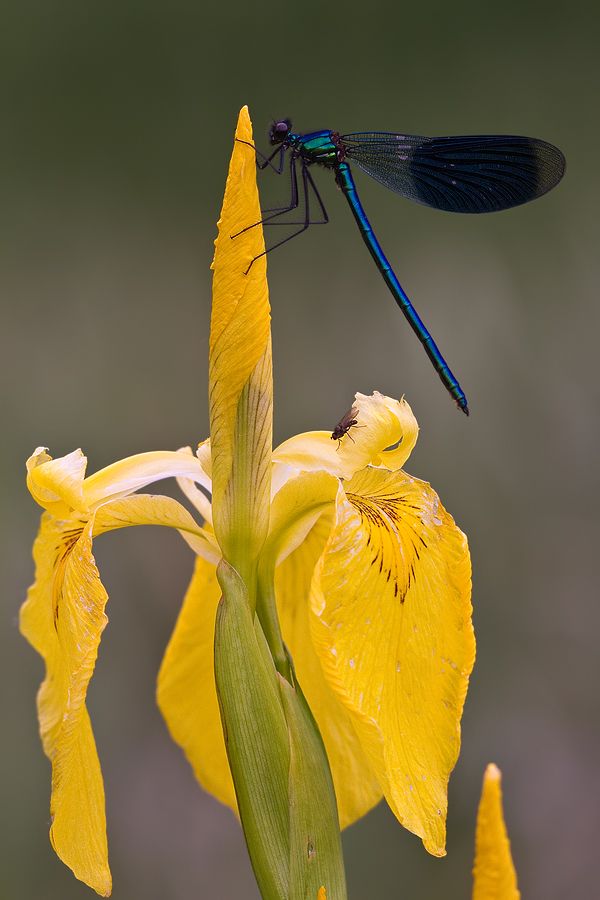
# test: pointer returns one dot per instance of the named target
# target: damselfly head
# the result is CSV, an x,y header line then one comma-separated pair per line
x,y
279,131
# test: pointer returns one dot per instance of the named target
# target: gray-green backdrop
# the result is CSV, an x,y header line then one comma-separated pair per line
x,y
118,118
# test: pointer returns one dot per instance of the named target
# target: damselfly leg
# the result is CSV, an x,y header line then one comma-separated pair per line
x,y
300,198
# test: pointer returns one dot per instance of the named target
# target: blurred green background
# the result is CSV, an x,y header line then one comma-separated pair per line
x,y
118,120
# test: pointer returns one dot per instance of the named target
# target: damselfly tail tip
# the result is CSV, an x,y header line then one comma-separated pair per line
x,y
462,405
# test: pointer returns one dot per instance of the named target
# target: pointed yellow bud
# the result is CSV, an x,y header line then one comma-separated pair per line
x,y
494,873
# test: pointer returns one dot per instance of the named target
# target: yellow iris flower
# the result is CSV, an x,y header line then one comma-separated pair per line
x,y
369,574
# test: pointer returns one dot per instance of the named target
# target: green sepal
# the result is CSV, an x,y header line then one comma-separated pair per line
x,y
316,858
256,736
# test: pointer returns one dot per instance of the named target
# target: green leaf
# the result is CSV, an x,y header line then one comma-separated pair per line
x,y
256,736
316,859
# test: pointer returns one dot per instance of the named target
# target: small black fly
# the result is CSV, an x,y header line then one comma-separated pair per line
x,y
344,425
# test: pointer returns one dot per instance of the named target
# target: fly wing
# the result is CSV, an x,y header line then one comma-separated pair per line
x,y
459,174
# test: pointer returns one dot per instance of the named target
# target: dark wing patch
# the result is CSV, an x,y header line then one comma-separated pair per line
x,y
471,174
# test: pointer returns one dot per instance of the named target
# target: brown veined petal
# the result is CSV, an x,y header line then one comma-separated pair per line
x,y
356,788
494,873
186,693
391,604
63,617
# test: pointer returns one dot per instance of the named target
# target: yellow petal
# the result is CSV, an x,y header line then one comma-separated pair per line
x,y
149,509
194,495
57,484
135,472
494,873
240,380
389,410
314,451
63,617
294,510
281,473
187,694
204,455
355,785
392,628
237,294
381,422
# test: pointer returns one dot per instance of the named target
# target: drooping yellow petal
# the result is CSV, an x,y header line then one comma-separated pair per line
x,y
240,379
57,484
187,694
63,617
356,788
391,623
381,422
51,546
494,873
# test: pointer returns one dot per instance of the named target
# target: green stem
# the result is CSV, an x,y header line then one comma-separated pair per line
x,y
266,610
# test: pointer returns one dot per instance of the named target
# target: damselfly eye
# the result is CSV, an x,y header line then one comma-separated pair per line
x,y
279,131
